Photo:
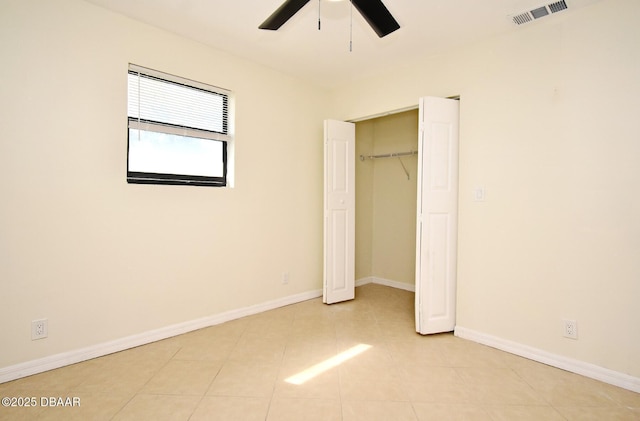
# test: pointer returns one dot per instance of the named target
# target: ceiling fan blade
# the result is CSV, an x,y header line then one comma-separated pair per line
x,y
377,15
283,14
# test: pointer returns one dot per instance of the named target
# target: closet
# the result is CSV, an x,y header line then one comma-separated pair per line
x,y
406,218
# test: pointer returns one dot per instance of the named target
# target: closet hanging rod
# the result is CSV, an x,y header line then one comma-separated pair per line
x,y
388,155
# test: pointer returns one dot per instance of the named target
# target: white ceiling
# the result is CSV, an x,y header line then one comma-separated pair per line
x,y
427,27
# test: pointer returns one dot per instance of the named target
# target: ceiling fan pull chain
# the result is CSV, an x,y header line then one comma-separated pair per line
x,y
319,1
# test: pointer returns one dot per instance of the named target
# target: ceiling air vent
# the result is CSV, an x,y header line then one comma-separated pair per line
x,y
557,6
538,12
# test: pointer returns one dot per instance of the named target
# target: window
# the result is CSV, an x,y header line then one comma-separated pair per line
x,y
178,130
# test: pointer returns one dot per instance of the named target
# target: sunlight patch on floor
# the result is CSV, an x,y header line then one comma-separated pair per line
x,y
313,371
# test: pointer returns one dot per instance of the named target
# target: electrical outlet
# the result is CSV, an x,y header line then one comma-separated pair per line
x,y
285,278
570,329
39,329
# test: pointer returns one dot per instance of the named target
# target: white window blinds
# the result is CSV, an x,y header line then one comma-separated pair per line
x,y
170,104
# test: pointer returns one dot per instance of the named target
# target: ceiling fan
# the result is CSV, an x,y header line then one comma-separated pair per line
x,y
373,11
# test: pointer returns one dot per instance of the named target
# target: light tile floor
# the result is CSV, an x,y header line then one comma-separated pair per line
x,y
239,371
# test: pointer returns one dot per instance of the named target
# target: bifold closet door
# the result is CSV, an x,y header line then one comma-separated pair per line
x,y
339,211
437,216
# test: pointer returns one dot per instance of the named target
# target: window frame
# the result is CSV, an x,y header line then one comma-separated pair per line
x,y
224,136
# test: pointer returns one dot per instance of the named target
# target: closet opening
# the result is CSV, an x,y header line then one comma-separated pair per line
x,y
386,175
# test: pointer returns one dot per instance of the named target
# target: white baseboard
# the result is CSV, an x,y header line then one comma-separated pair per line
x,y
364,281
385,282
71,357
575,366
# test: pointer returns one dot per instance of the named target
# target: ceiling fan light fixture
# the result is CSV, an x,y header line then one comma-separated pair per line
x,y
373,11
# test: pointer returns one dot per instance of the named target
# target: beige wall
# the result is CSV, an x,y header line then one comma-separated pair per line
x,y
364,201
549,128
102,259
386,199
